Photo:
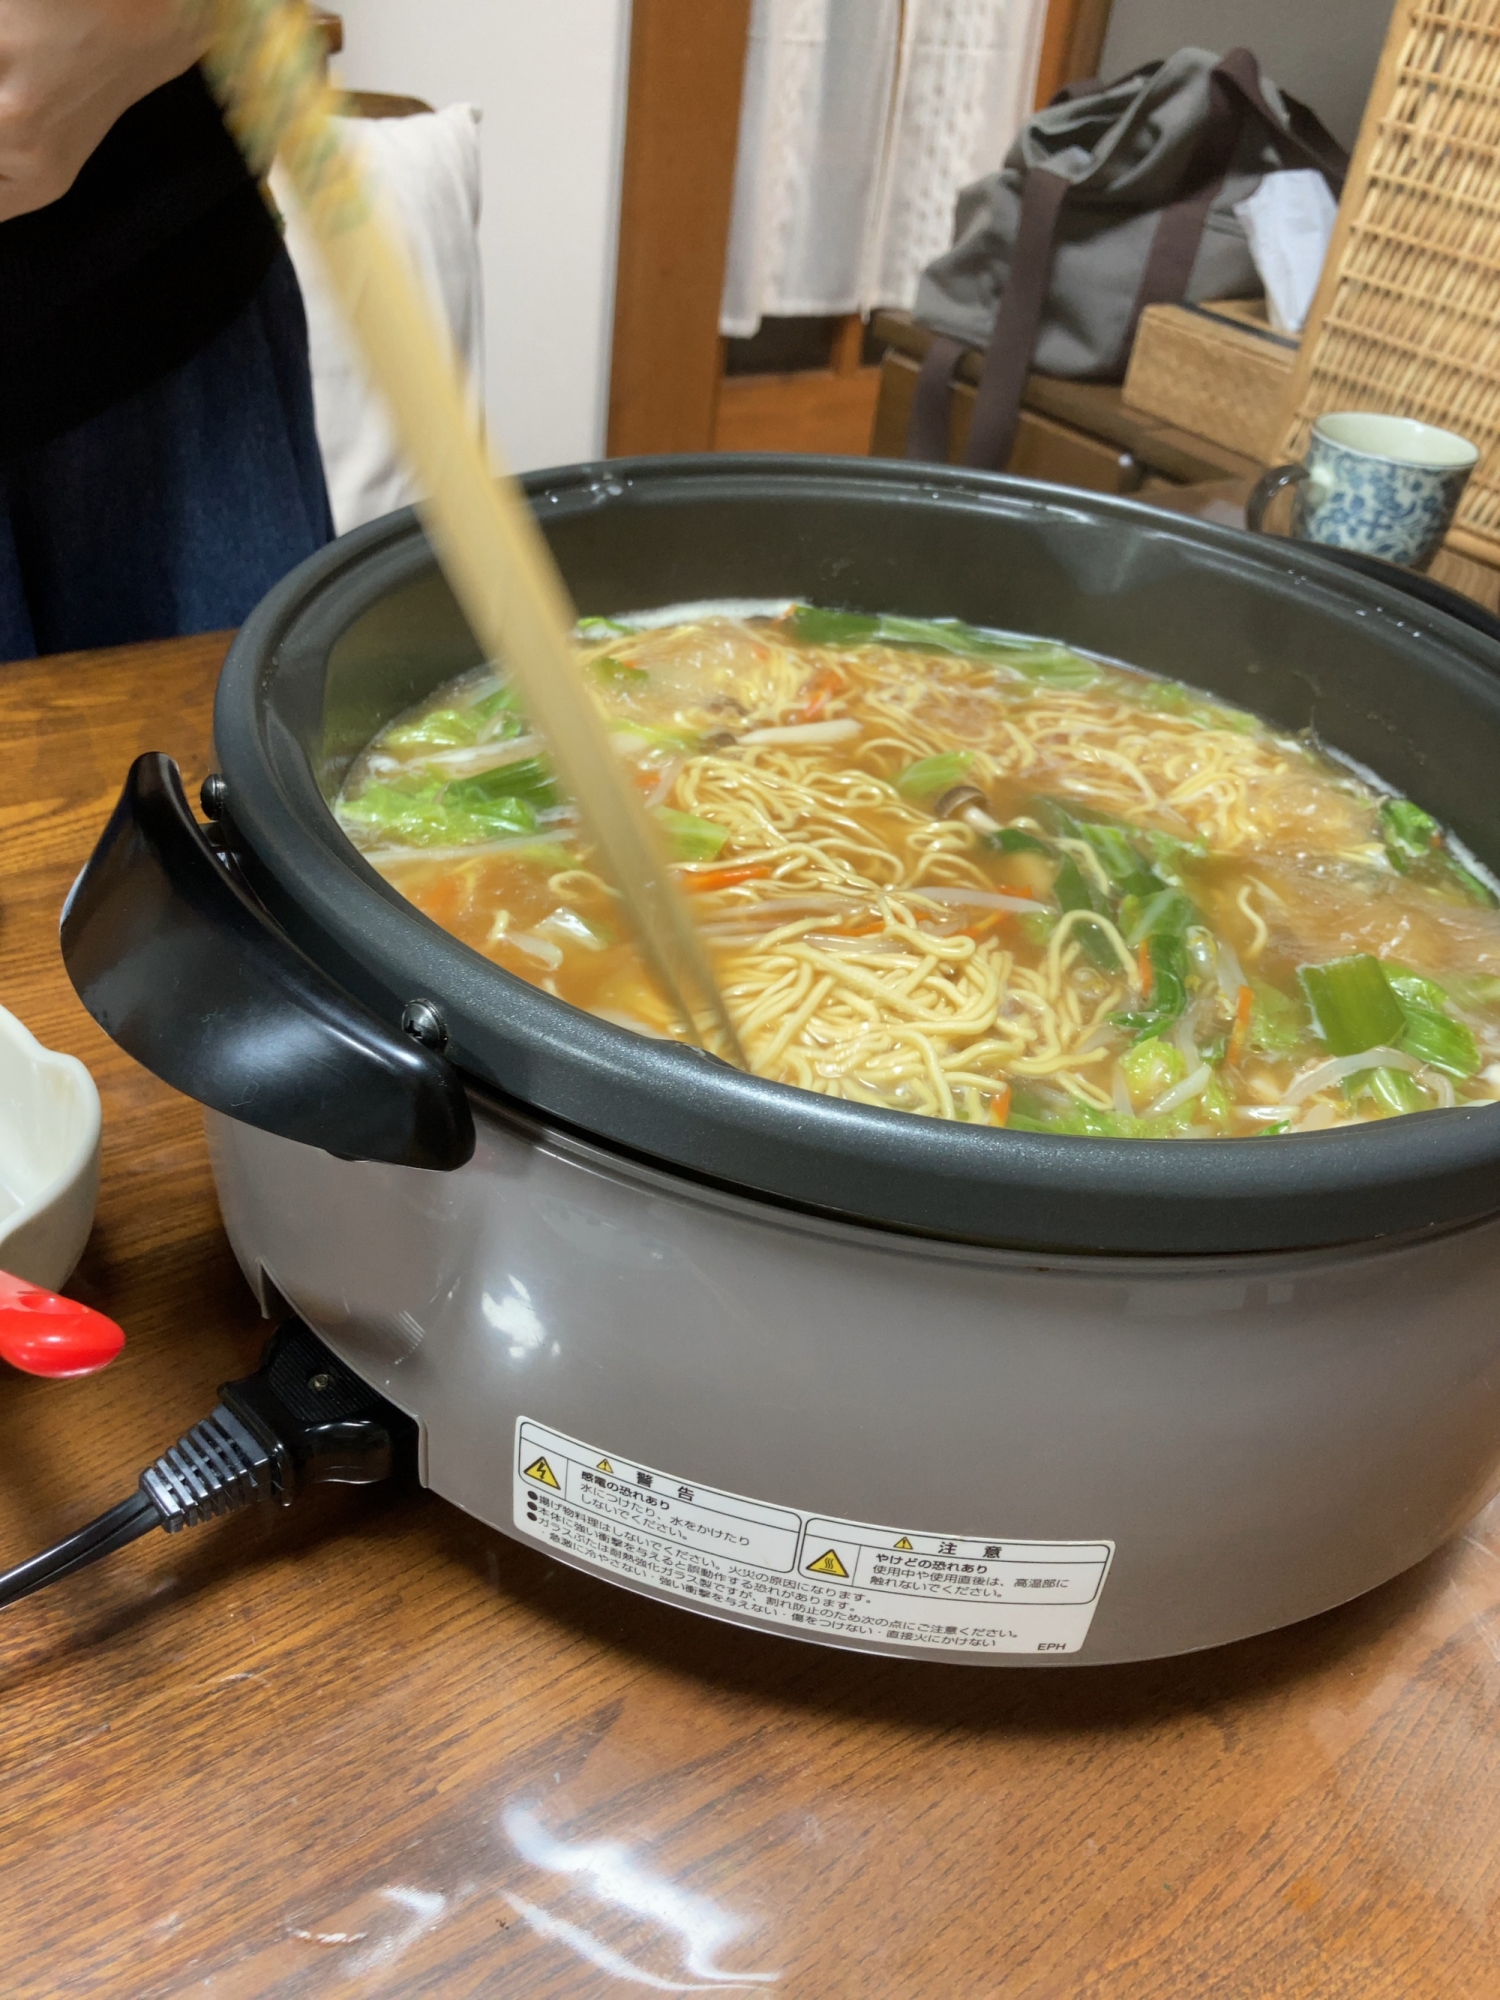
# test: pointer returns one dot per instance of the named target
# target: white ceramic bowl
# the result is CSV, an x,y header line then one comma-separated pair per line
x,y
49,1157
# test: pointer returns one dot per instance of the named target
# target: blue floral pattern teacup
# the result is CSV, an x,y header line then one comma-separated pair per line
x,y
1387,486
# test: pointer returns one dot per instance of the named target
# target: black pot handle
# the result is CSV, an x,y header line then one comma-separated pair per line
x,y
185,970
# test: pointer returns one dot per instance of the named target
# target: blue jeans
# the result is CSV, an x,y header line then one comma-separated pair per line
x,y
176,510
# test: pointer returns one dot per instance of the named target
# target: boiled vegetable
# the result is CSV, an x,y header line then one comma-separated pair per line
x,y
712,879
440,729
615,673
1168,955
1393,1091
1120,859
1413,987
1016,840
452,728
1038,659
1173,698
1244,1007
1166,911
692,839
1278,1026
931,775
426,815
528,778
1410,834
1075,892
1352,1004
1150,1069
1358,1004
1414,845
831,628
1433,1038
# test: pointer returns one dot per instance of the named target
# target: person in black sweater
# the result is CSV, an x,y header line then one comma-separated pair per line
x,y
159,469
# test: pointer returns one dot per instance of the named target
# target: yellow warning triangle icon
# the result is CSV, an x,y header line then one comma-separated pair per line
x,y
828,1564
604,1466
541,1471
902,1544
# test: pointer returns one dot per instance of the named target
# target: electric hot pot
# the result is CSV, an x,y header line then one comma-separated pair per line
x,y
855,1376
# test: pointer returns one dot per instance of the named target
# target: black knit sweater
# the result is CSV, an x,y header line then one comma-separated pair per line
x,y
159,243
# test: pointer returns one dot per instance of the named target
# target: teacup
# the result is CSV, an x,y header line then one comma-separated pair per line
x,y
1386,486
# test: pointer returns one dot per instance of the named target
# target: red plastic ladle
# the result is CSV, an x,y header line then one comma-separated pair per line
x,y
43,1334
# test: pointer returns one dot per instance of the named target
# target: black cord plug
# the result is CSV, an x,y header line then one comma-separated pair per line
x,y
303,1419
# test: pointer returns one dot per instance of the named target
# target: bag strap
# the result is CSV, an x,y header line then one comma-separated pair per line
x,y
1233,87
1234,91
1308,129
1303,133
932,400
1018,321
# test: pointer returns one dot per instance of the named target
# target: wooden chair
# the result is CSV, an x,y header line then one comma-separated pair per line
x,y
364,103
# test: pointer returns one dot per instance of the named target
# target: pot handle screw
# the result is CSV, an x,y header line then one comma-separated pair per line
x,y
422,1021
213,796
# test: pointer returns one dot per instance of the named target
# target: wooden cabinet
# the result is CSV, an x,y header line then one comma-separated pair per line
x,y
1071,433
1045,448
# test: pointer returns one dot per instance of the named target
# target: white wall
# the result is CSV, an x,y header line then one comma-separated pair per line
x,y
1323,51
550,76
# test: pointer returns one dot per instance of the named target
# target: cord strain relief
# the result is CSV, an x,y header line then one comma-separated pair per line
x,y
218,1467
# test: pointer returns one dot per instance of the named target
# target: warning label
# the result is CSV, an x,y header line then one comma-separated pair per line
x,y
883,1586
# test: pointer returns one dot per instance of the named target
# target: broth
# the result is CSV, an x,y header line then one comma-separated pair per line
x,y
968,874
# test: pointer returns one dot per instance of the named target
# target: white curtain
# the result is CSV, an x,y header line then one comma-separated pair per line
x,y
813,118
860,121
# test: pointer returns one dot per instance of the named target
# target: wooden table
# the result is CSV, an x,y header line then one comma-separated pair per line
x,y
378,1750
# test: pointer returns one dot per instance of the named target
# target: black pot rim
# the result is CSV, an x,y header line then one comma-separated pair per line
x,y
684,1111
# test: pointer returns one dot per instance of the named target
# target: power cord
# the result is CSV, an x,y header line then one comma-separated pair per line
x,y
303,1419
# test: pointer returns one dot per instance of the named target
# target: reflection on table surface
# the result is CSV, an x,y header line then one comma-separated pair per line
x,y
375,1749
395,1754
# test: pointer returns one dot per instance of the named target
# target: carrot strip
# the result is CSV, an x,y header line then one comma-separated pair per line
x,y
824,683
1147,970
1243,1005
705,879
1000,1105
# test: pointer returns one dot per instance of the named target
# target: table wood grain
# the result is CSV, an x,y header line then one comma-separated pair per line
x,y
376,1749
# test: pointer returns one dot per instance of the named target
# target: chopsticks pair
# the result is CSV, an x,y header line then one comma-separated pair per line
x,y
266,66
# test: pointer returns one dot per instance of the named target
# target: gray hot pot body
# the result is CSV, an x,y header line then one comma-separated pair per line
x,y
845,1374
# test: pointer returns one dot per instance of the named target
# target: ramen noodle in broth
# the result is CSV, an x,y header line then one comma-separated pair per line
x,y
967,874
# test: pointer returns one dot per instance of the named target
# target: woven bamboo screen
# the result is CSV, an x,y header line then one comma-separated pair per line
x,y
1407,317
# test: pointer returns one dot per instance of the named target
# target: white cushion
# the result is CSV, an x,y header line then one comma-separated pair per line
x,y
428,168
